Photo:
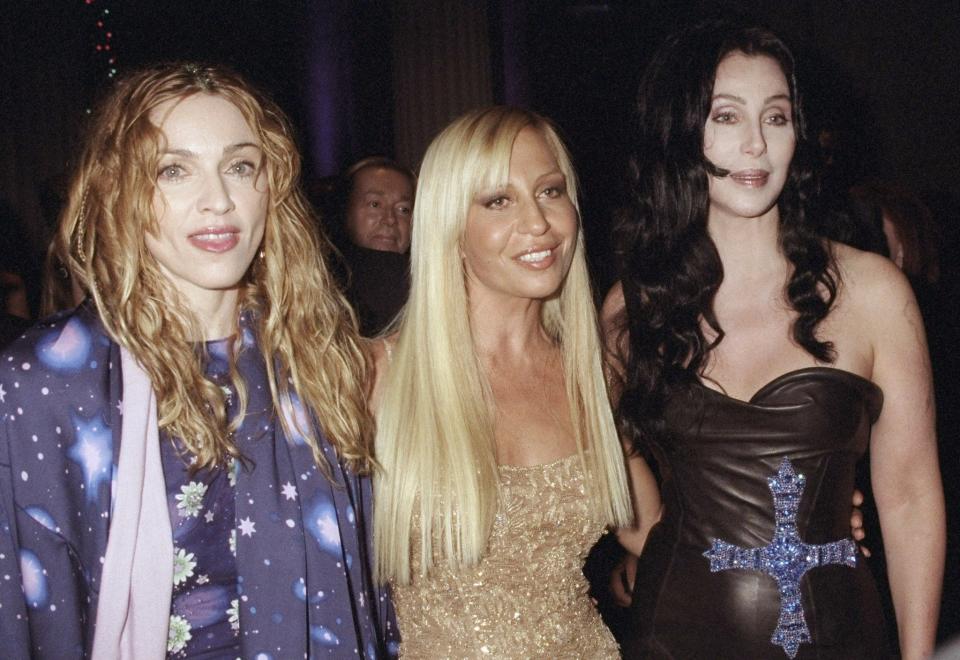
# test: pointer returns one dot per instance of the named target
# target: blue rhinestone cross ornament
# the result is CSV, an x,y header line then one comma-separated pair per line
x,y
785,559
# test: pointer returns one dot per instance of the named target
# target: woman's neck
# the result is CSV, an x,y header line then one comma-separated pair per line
x,y
749,248
216,313
507,331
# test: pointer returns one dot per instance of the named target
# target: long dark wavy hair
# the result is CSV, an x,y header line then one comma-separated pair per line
x,y
670,267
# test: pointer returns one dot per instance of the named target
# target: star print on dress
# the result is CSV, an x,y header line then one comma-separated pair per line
x,y
324,636
43,517
321,523
34,580
66,349
295,418
93,452
785,559
247,527
61,406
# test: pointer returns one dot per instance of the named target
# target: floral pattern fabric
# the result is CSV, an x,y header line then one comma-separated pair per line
x,y
302,583
204,616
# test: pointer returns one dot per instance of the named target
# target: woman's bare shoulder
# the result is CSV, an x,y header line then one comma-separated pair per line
x,y
870,281
877,304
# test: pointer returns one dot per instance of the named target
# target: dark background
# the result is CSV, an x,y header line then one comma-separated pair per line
x,y
883,76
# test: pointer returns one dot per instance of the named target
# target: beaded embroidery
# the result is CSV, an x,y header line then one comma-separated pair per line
x,y
786,558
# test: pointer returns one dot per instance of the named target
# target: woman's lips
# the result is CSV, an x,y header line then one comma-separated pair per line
x,y
751,178
215,239
537,259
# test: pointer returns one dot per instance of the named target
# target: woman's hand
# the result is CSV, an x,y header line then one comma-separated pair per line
x,y
622,579
856,523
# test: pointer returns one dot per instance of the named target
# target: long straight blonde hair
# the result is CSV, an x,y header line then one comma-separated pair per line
x,y
435,438
306,330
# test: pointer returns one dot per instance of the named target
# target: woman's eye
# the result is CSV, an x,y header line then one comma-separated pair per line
x,y
725,117
374,204
243,169
170,172
497,203
777,120
404,210
553,192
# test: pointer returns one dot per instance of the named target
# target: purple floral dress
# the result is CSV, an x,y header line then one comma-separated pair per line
x,y
271,556
204,617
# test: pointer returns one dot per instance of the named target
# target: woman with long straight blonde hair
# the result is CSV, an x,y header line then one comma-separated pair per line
x,y
180,455
500,460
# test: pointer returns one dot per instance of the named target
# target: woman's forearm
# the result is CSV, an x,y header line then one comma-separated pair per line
x,y
914,541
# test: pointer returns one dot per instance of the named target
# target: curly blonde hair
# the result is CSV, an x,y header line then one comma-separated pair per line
x,y
306,330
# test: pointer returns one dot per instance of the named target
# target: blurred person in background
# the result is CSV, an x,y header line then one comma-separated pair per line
x,y
370,220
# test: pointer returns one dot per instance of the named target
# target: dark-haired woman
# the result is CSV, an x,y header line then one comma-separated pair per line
x,y
758,362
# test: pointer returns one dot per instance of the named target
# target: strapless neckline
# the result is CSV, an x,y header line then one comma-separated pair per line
x,y
791,376
718,457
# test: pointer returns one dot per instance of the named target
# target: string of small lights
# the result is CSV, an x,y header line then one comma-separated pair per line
x,y
104,37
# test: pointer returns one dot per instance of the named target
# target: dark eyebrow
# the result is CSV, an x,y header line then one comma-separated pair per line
x,y
730,97
737,99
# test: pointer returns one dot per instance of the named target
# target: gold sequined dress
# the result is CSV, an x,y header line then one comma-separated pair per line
x,y
527,598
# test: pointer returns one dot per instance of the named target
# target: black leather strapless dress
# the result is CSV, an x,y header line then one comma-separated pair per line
x,y
720,468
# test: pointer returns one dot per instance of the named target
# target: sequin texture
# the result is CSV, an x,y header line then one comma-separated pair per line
x,y
786,558
528,596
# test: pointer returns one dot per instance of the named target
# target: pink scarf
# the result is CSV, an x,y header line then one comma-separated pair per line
x,y
133,612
